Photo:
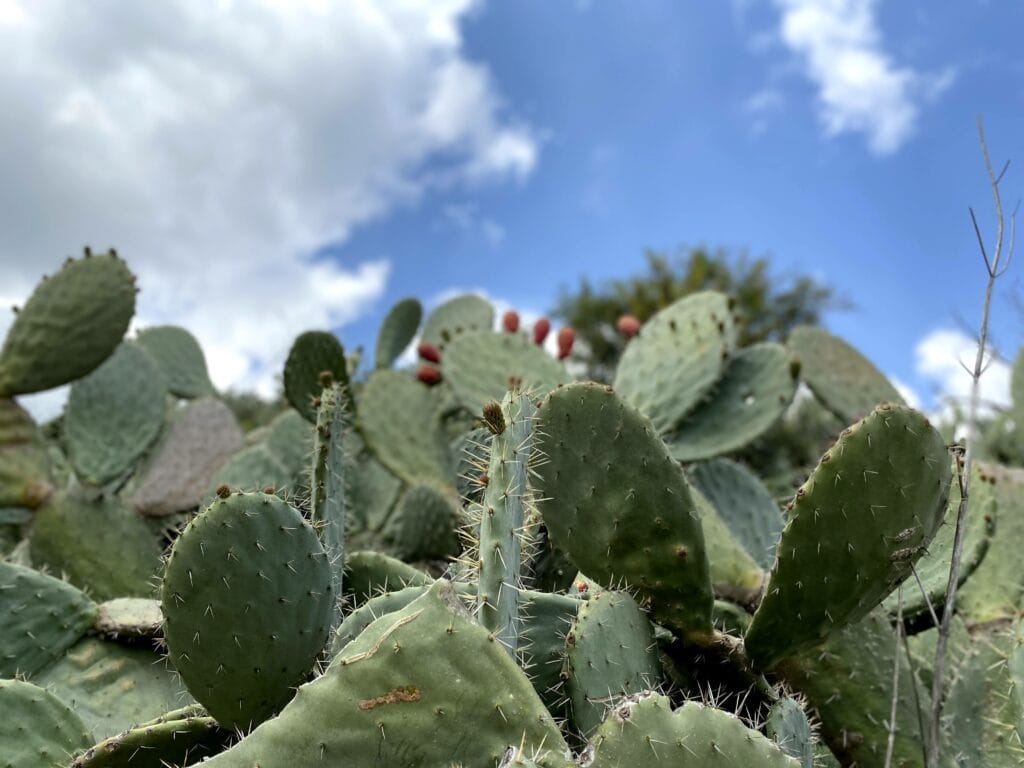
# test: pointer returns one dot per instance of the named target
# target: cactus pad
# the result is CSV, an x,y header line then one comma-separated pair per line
x,y
247,603
479,366
422,527
201,438
37,729
645,731
615,501
71,323
180,359
43,617
380,703
610,653
165,741
462,314
397,331
676,358
743,504
755,389
113,686
839,376
100,546
312,353
114,414
24,463
399,421
855,529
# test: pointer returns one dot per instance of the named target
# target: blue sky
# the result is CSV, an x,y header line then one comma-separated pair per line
x,y
511,147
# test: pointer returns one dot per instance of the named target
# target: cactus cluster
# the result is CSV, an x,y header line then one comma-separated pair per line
x,y
479,561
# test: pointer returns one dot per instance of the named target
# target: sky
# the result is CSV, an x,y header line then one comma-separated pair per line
x,y
272,166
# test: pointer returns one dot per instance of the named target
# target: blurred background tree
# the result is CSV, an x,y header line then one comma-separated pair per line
x,y
768,306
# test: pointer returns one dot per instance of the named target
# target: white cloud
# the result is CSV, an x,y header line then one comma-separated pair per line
x,y
218,145
940,357
860,88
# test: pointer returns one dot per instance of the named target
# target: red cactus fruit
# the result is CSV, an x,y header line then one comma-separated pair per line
x,y
429,375
510,321
628,326
566,336
428,352
540,330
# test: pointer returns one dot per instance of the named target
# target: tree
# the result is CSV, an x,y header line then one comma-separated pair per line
x,y
767,307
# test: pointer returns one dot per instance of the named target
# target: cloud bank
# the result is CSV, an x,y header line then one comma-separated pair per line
x,y
217,145
860,89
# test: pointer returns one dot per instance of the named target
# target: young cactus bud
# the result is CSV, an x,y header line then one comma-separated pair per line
x,y
566,336
428,352
628,326
540,330
429,375
494,419
510,321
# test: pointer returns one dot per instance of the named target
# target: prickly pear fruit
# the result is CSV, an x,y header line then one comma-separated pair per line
x,y
428,352
540,330
628,326
510,321
566,337
429,375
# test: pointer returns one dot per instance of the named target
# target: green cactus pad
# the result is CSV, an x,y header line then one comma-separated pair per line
x,y
645,731
129,617
855,530
743,504
755,389
367,613
985,714
328,500
114,414
787,725
615,501
933,567
113,686
676,359
100,546
504,535
839,376
372,488
166,741
179,358
996,588
733,572
72,322
370,573
397,331
406,693
610,653
37,729
43,617
479,366
400,423
462,314
201,438
252,468
848,683
25,479
423,525
545,619
247,603
290,439
312,353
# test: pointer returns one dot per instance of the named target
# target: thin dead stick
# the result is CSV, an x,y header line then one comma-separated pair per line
x,y
995,269
895,679
917,697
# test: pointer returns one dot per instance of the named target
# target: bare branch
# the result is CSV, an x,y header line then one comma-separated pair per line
x,y
964,463
895,679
